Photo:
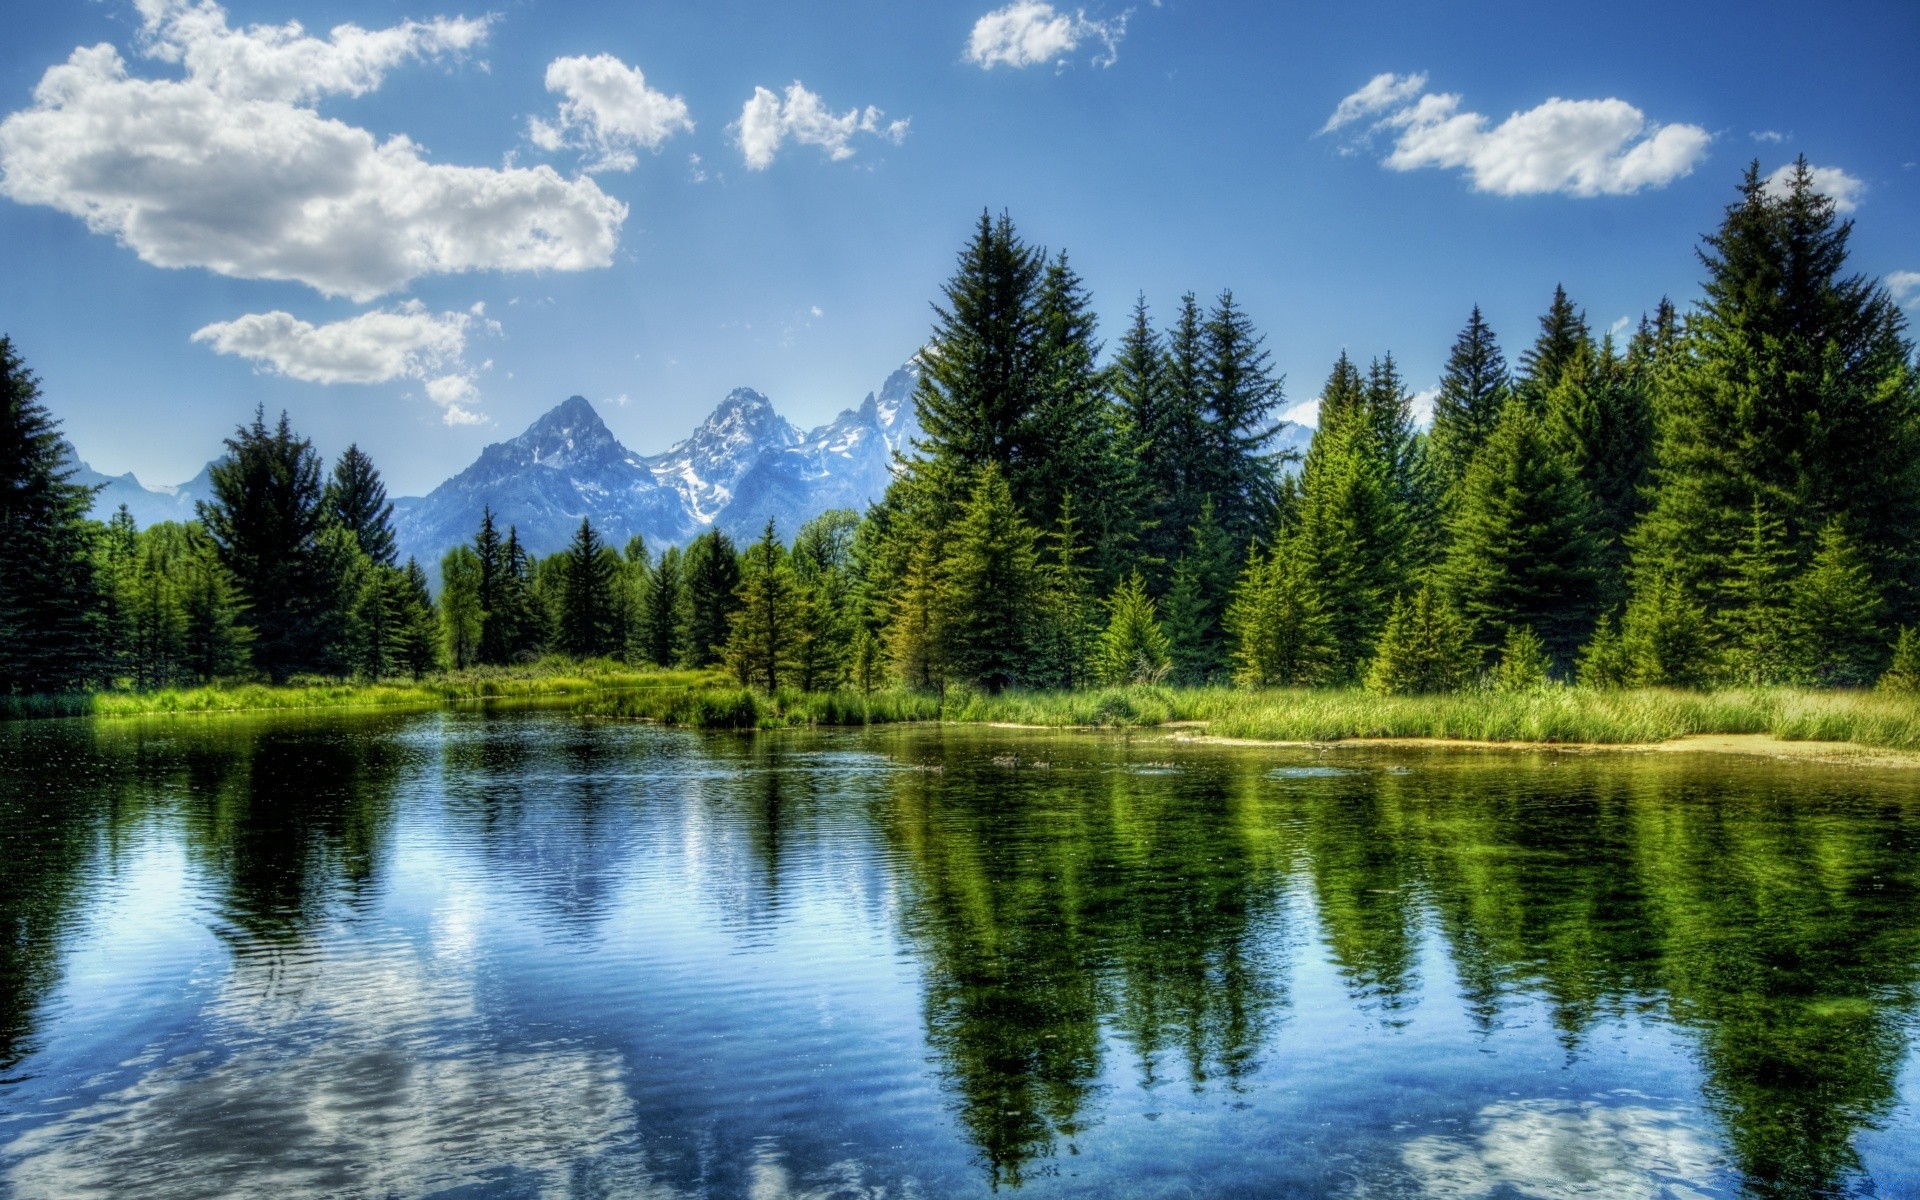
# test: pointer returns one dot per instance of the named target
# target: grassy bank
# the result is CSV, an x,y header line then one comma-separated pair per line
x,y
555,679
1562,715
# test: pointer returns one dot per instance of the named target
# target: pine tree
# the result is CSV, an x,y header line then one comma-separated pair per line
x,y
919,631
150,586
116,554
712,581
1424,649
1604,664
1133,648
993,578
1350,535
1474,387
1563,334
1521,553
461,616
356,500
589,573
265,520
216,640
1185,441
1835,615
1063,624
760,651
1791,381
48,639
1902,676
1665,637
1282,637
1757,618
498,616
822,561
1238,470
1523,665
661,633
1197,603
1388,407
418,637
1599,420
1142,382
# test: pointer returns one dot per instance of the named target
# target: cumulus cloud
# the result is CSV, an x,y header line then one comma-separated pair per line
x,y
609,112
1029,32
768,120
1569,147
1843,189
407,342
1905,286
231,169
1568,1150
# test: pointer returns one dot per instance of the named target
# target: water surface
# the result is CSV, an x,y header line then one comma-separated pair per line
x,y
513,954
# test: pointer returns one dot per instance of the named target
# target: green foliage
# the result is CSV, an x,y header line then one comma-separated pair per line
x,y
1666,639
1350,533
1133,648
1282,637
1063,619
462,618
265,521
1524,665
589,614
710,591
1604,664
993,584
1203,582
918,633
356,500
1902,676
1564,337
1473,389
660,632
762,649
1424,650
1521,553
1836,609
1758,619
1598,418
1241,392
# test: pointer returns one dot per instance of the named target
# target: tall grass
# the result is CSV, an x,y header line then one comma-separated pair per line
x,y
551,678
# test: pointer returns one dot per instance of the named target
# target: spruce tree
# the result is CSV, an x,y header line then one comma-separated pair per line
x,y
1473,389
1142,383
1665,637
356,500
1132,648
1350,535
1063,625
1604,664
1238,470
1521,553
1598,418
588,578
712,571
418,642
48,637
1523,665
661,633
266,519
1793,381
1282,637
1902,677
760,650
1196,605
919,633
822,560
1563,334
993,580
461,617
1184,442
1835,612
1424,650
215,638
1757,617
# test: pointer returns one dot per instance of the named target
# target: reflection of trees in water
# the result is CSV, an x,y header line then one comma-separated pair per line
x,y
1049,903
1778,924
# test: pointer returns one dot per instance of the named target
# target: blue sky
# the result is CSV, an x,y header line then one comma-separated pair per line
x,y
422,231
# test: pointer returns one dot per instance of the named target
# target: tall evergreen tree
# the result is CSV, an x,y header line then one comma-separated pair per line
x,y
356,500
1239,468
1142,382
418,648
766,626
712,571
919,634
1792,381
1836,611
1063,616
588,603
1185,441
1473,389
1196,604
1282,637
461,616
48,638
265,519
1757,614
993,578
1563,332
1425,649
1599,419
216,639
826,621
1133,647
661,633
1521,552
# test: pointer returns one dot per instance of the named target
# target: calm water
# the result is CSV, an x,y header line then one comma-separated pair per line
x,y
472,955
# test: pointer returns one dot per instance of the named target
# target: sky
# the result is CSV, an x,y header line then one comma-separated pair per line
x,y
417,225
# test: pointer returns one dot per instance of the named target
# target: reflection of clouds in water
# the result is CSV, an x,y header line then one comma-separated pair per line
x,y
769,1179
368,1073
1563,1150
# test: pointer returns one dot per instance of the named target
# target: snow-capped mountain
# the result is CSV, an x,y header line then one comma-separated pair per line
x,y
741,465
147,505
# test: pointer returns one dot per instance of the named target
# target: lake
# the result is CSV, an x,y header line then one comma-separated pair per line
x,y
477,954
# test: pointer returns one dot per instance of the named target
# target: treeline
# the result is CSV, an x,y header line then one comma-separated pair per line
x,y
1730,497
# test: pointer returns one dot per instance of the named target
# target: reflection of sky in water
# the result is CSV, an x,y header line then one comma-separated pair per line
x,y
625,962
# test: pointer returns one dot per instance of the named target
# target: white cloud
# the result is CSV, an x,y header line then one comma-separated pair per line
x,y
407,342
1570,147
767,121
1029,32
1568,1150
1383,91
1905,286
1420,404
1307,413
1768,135
609,112
231,169
1843,189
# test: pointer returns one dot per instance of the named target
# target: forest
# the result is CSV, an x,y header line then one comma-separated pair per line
x,y
1730,498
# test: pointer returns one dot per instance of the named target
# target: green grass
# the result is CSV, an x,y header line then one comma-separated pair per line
x,y
549,679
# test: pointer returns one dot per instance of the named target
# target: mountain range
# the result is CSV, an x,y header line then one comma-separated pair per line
x,y
743,464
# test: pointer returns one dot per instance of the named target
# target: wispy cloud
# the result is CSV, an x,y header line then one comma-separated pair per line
x,y
1028,33
768,120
